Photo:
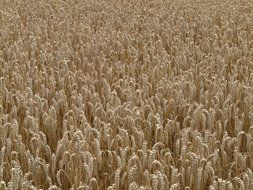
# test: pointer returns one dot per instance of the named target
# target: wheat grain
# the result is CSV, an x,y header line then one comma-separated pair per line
x,y
126,94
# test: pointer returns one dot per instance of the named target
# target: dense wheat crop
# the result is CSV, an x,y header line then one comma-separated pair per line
x,y
126,94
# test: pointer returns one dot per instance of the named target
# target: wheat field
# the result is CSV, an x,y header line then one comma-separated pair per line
x,y
126,94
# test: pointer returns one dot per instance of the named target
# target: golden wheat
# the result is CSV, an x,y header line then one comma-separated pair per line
x,y
130,94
